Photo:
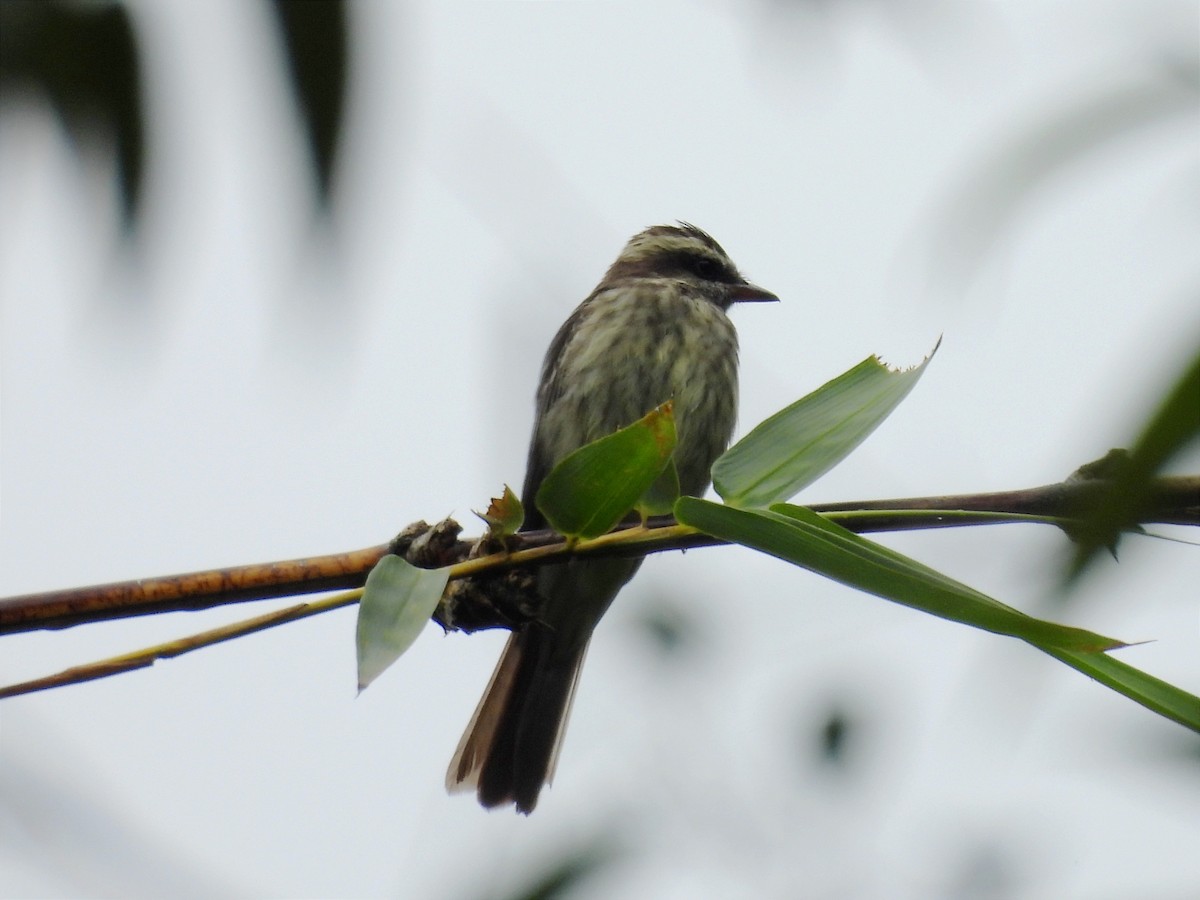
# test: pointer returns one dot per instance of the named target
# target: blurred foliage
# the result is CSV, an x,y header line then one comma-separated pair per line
x,y
834,736
85,60
315,38
569,871
1171,428
673,631
988,203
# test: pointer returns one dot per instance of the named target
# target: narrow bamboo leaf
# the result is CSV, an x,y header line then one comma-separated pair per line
x,y
398,600
807,539
1163,698
800,443
593,488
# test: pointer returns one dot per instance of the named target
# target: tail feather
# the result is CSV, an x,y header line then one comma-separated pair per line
x,y
463,774
511,744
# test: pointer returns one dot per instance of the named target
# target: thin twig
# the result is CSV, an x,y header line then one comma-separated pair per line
x,y
141,659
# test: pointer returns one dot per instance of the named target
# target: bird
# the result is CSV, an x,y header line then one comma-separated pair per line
x,y
654,329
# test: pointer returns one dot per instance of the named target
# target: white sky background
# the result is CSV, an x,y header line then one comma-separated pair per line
x,y
246,388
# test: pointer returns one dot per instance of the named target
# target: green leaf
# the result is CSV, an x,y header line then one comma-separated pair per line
x,y
504,514
807,539
1174,425
1153,693
592,489
660,497
398,600
800,443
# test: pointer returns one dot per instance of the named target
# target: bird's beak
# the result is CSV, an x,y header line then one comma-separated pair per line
x,y
752,293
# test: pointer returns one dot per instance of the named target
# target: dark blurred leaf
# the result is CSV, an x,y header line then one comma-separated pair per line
x,y
83,58
999,189
981,870
1174,425
569,872
834,737
314,35
673,628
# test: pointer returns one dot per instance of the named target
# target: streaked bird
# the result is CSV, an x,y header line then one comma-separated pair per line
x,y
654,329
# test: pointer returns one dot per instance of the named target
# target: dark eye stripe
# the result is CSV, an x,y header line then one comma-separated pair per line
x,y
702,265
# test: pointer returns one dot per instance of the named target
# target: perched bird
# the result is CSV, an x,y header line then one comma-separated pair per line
x,y
654,329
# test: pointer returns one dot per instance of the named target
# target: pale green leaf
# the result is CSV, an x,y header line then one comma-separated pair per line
x,y
397,601
800,443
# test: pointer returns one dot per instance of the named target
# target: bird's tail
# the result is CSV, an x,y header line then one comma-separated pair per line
x,y
511,744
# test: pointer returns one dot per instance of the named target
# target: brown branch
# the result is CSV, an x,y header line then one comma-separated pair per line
x,y
1173,500
192,591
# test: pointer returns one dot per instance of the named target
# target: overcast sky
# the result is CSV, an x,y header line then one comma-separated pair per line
x,y
247,386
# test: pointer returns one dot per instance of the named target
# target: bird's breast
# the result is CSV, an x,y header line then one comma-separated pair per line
x,y
630,353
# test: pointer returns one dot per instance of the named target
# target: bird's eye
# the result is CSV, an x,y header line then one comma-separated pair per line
x,y
707,267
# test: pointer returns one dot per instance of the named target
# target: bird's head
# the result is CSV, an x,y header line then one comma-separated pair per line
x,y
686,253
